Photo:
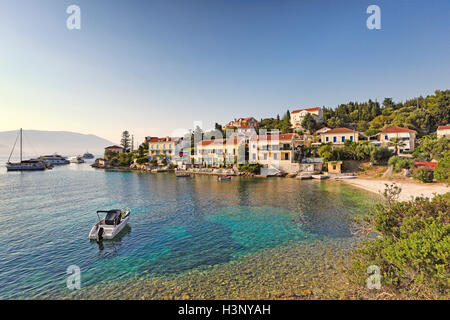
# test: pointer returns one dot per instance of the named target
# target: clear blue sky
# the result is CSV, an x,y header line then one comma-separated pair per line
x,y
155,66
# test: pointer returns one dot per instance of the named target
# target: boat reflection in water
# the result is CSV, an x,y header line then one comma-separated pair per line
x,y
116,242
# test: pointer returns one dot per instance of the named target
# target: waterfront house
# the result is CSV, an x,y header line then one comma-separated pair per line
x,y
218,152
443,131
163,148
115,149
338,136
242,124
407,136
297,116
274,151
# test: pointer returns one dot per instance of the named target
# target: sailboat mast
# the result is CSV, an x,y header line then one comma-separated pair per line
x,y
20,145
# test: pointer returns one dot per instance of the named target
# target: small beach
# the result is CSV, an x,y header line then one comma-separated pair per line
x,y
409,189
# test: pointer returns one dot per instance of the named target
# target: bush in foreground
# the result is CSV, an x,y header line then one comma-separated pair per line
x,y
412,250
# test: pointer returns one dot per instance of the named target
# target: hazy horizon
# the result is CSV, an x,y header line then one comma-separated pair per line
x,y
156,66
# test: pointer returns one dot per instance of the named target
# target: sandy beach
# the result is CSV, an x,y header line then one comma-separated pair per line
x,y
409,189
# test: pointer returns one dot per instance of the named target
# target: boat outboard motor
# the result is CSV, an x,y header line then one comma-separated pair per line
x,y
100,234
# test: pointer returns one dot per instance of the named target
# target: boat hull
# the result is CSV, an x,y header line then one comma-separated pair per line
x,y
21,167
109,231
319,176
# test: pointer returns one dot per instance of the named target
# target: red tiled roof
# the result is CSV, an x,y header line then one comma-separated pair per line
x,y
307,109
166,139
425,164
220,141
395,129
241,122
114,147
444,127
339,130
281,136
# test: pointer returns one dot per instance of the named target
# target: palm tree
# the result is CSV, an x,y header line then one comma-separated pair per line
x,y
397,143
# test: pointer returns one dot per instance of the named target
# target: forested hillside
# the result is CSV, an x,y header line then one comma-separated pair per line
x,y
423,114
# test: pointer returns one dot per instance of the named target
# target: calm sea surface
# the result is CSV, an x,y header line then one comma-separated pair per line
x,y
177,226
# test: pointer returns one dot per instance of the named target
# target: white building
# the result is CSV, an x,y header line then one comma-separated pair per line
x,y
297,116
408,137
443,131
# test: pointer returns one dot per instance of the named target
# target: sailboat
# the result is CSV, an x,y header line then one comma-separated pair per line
x,y
23,165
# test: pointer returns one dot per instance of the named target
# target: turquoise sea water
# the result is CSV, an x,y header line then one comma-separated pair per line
x,y
177,224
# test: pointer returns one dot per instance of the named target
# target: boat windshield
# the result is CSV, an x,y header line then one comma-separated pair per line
x,y
111,216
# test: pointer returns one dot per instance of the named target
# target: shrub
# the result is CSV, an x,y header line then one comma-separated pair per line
x,y
254,168
172,166
442,171
412,249
400,163
380,154
142,160
423,174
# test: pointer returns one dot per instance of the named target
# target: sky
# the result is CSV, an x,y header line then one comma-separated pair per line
x,y
157,67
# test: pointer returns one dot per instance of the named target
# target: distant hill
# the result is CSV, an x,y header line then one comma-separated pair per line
x,y
36,143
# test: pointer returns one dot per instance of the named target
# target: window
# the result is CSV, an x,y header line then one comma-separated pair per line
x,y
275,156
265,156
386,137
254,156
286,156
343,138
351,138
334,139
327,139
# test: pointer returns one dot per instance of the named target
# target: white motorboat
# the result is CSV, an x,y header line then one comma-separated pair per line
x,y
111,225
78,159
320,176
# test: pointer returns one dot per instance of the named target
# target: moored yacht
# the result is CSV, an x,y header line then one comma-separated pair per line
x,y
88,155
54,159
24,165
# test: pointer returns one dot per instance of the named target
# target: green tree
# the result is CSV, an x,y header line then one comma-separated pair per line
x,y
125,142
397,143
309,123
